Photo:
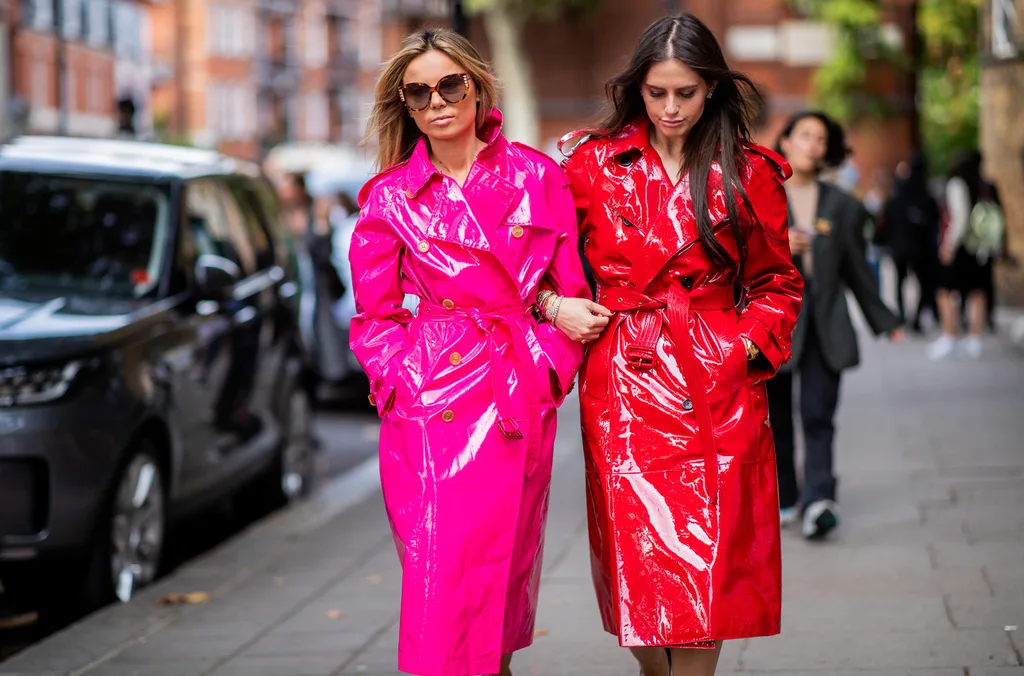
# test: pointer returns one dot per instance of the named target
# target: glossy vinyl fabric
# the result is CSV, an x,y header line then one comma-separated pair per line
x,y
681,479
467,389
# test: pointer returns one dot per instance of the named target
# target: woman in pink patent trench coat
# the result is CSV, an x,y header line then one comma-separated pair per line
x,y
685,228
467,389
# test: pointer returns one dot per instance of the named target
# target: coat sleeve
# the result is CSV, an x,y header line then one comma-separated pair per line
x,y
859,278
378,330
565,277
773,287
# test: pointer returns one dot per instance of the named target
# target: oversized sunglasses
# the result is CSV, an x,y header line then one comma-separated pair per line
x,y
452,88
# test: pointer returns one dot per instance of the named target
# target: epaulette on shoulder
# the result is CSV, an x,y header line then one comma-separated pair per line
x,y
574,140
780,167
364,192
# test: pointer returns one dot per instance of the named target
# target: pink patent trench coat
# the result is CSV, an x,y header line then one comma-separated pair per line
x,y
467,389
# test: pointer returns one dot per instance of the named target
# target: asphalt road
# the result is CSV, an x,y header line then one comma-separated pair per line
x,y
348,436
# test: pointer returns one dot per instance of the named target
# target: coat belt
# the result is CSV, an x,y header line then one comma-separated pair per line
x,y
491,322
675,305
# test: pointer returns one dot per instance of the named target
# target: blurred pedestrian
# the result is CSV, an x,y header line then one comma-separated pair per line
x,y
468,388
973,236
826,238
681,214
911,220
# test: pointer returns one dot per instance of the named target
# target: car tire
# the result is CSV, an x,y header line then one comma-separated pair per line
x,y
130,536
288,477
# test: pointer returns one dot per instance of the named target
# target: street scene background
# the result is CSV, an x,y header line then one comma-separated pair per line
x,y
924,576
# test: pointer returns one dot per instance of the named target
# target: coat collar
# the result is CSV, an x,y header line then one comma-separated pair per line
x,y
420,169
650,201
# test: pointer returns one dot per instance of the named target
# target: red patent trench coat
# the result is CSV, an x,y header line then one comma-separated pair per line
x,y
681,477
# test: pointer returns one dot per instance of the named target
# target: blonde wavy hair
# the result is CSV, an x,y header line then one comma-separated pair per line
x,y
390,125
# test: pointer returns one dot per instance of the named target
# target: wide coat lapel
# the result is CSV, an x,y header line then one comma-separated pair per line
x,y
674,228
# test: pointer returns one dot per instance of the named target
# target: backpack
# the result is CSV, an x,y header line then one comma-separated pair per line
x,y
984,236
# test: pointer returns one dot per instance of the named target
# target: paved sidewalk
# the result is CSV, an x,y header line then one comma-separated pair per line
x,y
925,575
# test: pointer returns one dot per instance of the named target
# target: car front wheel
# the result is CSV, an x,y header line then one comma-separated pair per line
x,y
129,540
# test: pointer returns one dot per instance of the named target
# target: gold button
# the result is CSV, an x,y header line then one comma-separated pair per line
x,y
409,193
517,231
455,358
448,305
423,246
372,402
448,416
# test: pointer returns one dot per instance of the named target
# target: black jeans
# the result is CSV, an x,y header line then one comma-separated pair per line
x,y
819,397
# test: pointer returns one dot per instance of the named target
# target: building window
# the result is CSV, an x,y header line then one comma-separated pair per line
x,y
94,93
315,34
231,110
1004,23
40,15
98,24
40,83
318,116
230,31
71,18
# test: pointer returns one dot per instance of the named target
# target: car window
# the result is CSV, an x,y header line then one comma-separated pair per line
x,y
254,219
81,235
215,222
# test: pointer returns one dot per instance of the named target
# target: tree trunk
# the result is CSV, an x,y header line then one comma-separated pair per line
x,y
518,102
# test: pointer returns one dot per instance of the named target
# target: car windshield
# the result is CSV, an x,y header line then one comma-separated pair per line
x,y
62,234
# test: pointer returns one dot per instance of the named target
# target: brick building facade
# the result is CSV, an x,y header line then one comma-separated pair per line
x,y
764,38
72,60
245,75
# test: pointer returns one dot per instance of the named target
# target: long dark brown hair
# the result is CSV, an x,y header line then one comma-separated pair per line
x,y
720,132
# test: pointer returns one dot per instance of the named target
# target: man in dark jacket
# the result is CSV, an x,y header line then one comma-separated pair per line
x,y
827,241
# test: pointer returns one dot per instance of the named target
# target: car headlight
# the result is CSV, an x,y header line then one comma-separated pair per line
x,y
21,385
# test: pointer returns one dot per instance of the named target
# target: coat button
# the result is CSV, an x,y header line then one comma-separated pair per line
x,y
423,246
517,231
372,402
409,193
687,405
448,415
687,282
455,358
448,305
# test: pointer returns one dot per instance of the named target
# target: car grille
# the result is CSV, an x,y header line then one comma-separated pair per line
x,y
23,497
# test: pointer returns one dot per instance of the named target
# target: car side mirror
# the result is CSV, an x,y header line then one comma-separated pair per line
x,y
215,275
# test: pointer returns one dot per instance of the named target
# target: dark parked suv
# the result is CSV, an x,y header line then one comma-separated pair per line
x,y
149,358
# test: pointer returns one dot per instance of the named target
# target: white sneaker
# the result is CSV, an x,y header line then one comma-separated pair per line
x,y
971,347
942,348
788,516
820,518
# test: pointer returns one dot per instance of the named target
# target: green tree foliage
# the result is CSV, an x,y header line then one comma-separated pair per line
x,y
949,78
947,96
841,83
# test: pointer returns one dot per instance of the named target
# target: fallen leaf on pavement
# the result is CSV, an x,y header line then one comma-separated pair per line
x,y
540,632
185,599
333,614
373,579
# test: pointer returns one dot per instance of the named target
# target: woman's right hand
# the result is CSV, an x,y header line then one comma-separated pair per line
x,y
582,320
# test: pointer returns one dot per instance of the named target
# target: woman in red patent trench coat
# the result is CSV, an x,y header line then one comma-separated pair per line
x,y
683,500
